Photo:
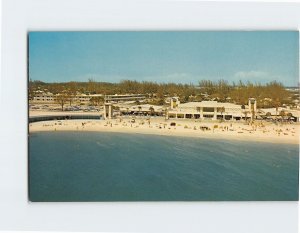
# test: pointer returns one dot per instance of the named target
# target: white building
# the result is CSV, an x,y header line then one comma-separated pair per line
x,y
209,110
50,98
123,98
142,109
85,99
44,97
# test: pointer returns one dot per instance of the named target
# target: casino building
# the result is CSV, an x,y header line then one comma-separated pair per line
x,y
212,110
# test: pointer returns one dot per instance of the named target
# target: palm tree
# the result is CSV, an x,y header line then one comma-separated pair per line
x,y
166,113
151,110
140,108
97,100
289,115
282,114
92,101
246,114
61,99
222,110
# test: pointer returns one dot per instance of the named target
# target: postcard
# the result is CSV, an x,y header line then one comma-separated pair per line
x,y
163,116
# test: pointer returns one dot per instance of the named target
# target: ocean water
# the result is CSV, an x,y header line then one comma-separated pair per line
x,y
94,166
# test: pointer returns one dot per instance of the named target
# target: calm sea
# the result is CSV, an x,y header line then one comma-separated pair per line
x,y
94,166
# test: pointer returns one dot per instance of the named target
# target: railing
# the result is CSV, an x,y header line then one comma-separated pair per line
x,y
64,117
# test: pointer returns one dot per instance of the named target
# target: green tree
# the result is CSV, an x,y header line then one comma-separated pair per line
x,y
139,108
62,99
97,100
151,110
221,110
282,114
289,115
246,114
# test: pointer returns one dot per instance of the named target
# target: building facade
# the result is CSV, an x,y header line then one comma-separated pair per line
x,y
124,98
50,98
211,110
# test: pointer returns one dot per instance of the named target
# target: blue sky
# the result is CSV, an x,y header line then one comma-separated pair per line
x,y
180,57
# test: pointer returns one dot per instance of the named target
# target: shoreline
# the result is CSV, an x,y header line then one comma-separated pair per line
x,y
237,132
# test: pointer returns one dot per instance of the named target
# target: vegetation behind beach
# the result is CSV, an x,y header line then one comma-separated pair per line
x,y
272,94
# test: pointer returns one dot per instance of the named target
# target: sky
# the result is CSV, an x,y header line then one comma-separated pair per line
x,y
165,56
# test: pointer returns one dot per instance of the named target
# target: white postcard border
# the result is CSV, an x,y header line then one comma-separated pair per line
x,y
17,213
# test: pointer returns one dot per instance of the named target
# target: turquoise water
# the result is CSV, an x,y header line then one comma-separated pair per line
x,y
94,166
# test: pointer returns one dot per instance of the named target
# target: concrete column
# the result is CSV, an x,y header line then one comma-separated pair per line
x,y
252,107
109,111
201,112
215,114
172,103
104,114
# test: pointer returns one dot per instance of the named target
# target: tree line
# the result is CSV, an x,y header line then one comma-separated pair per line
x,y
271,94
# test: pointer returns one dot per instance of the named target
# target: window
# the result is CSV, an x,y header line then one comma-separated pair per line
x,y
208,116
207,109
188,116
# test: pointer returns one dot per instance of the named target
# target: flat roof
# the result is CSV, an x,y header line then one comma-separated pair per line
x,y
209,104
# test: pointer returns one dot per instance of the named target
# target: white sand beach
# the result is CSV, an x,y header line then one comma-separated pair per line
x,y
260,132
